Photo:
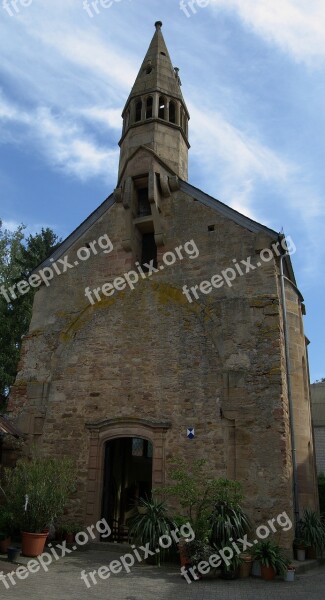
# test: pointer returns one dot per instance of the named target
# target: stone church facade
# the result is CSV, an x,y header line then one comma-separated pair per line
x,y
117,368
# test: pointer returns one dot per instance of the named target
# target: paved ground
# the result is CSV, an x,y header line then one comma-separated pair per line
x,y
63,582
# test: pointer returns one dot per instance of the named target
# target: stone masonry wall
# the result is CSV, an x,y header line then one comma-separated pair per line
x,y
216,364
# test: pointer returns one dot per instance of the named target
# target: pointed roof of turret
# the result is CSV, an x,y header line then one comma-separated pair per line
x,y
157,72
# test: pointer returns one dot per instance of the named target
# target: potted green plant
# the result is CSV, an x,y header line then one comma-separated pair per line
x,y
148,526
195,551
232,569
69,530
300,548
313,533
271,558
37,491
228,520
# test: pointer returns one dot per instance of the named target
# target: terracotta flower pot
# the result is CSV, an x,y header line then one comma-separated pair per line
x,y
32,543
183,555
268,573
245,568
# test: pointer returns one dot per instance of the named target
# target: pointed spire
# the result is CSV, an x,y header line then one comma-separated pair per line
x,y
157,72
155,115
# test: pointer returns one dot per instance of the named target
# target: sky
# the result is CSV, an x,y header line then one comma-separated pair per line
x,y
253,79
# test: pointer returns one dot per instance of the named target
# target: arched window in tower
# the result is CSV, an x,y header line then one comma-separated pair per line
x,y
172,112
149,105
162,106
138,111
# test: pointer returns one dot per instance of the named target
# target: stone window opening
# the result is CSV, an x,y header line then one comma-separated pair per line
x,y
148,251
144,206
172,112
162,106
138,111
149,107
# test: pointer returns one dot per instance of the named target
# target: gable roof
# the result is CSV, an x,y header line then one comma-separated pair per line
x,y
224,210
184,186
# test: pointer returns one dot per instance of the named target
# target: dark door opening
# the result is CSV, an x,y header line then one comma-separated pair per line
x,y
127,477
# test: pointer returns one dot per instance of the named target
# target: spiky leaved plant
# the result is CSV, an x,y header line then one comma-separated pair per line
x,y
149,522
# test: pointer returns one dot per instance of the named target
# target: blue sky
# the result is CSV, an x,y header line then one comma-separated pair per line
x,y
253,79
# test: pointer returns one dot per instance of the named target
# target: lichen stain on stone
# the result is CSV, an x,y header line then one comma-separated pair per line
x,y
167,294
86,315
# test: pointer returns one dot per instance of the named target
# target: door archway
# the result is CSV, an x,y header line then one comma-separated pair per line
x,y
103,432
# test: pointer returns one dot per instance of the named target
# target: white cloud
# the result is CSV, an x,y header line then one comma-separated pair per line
x,y
296,26
62,141
111,117
239,159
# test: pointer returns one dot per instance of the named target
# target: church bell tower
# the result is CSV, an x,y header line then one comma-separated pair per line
x,y
155,115
154,150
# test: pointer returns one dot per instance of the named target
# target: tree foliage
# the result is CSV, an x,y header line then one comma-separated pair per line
x,y
197,493
37,490
18,257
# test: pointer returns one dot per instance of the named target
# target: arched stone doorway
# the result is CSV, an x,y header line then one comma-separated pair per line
x,y
127,478
103,432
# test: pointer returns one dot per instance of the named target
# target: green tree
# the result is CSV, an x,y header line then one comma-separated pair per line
x,y
18,257
197,493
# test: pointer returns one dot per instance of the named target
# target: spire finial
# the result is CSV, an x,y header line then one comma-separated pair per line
x,y
158,25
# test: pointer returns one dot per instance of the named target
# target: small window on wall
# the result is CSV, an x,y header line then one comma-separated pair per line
x,y
138,111
162,105
149,251
172,112
149,105
144,206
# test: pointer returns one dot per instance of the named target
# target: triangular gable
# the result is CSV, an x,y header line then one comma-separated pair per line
x,y
224,210
237,217
189,189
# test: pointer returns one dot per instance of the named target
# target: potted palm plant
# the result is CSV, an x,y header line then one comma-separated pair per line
x,y
228,521
271,558
313,533
37,491
147,526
